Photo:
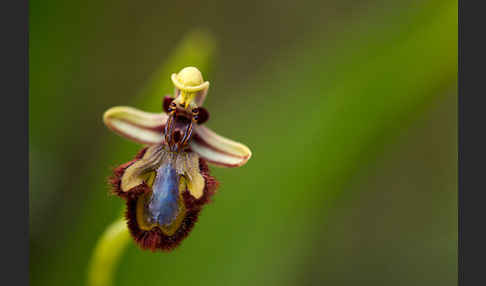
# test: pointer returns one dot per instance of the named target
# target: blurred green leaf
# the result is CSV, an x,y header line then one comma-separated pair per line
x,y
107,253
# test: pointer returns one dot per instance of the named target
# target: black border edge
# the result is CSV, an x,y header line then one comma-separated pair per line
x,y
471,144
14,20
460,270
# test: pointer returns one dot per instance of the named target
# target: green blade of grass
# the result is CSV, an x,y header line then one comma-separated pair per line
x,y
106,254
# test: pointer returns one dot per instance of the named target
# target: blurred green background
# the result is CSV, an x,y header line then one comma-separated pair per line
x,y
348,106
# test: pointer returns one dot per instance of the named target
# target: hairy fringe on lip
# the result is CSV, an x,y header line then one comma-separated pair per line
x,y
155,239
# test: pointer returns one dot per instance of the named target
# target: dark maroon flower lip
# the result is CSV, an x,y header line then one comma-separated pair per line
x,y
155,239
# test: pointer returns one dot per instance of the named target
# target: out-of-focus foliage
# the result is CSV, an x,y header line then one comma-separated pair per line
x,y
107,254
335,99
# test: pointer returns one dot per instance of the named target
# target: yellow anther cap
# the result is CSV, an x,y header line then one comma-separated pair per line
x,y
189,79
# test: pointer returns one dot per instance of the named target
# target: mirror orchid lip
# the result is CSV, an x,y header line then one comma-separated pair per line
x,y
191,187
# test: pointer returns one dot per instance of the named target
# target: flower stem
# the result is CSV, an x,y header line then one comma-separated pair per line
x,y
107,253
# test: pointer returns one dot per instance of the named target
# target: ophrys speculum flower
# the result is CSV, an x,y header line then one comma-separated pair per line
x,y
167,184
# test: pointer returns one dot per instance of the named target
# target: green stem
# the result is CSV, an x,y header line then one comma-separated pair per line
x,y
107,254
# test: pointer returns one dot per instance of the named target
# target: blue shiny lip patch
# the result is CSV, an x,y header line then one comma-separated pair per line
x,y
163,205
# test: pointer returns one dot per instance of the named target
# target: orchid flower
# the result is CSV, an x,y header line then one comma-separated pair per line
x,y
168,182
